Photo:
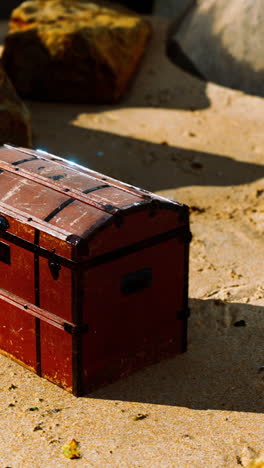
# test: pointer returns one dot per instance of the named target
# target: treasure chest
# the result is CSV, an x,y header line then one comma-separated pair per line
x,y
93,272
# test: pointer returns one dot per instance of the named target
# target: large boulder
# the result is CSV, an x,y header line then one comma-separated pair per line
x,y
14,117
74,50
224,41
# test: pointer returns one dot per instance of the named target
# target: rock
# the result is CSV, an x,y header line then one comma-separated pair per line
x,y
178,10
172,8
14,117
223,40
74,50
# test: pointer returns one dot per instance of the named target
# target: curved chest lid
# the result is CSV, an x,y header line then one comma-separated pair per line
x,y
64,197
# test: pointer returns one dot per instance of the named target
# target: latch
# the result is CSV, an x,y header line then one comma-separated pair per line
x,y
185,236
5,253
4,224
55,268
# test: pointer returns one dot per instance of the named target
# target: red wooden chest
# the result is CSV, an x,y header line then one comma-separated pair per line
x,y
93,272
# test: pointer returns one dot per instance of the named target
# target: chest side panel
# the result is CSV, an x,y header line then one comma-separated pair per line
x,y
135,308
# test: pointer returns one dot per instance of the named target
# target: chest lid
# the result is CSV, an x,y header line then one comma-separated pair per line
x,y
64,199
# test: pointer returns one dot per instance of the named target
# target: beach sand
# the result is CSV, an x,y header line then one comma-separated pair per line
x,y
203,145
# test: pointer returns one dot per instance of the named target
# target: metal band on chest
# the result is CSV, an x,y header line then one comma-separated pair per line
x,y
71,200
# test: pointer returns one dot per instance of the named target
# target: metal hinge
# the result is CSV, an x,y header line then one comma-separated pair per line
x,y
185,236
4,224
75,329
183,314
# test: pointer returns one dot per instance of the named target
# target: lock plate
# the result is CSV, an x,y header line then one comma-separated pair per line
x,y
55,268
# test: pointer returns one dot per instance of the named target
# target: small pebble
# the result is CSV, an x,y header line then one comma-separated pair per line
x,y
196,165
139,417
239,323
37,428
12,387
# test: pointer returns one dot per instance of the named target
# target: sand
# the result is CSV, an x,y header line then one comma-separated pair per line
x,y
203,145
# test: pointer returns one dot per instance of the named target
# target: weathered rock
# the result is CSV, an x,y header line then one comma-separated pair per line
x,y
178,10
173,8
224,41
14,117
73,50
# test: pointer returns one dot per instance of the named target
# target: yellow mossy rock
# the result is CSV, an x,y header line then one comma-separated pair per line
x,y
71,450
74,50
15,124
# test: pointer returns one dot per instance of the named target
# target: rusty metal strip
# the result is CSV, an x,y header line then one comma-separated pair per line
x,y
77,302
36,269
22,161
32,310
94,189
37,304
59,208
36,249
41,314
182,233
36,223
